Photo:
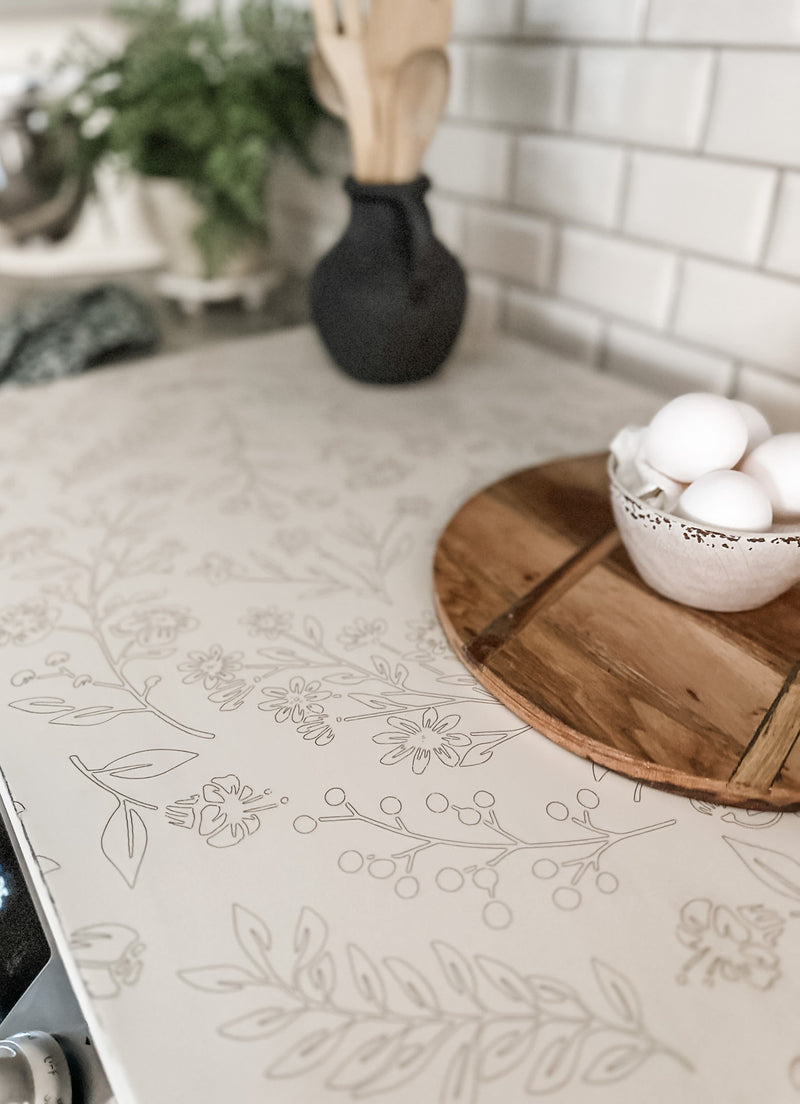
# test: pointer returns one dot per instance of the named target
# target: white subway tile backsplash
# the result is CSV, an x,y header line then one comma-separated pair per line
x,y
699,204
664,364
448,218
593,19
623,278
757,106
473,161
458,55
776,397
482,318
484,17
569,178
551,322
520,85
783,254
653,96
743,313
517,247
746,22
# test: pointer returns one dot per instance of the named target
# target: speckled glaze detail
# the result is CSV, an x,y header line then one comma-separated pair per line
x,y
701,567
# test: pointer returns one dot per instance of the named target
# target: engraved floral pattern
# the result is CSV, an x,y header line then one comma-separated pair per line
x,y
228,698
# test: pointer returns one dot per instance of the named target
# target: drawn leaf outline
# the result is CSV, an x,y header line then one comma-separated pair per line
x,y
307,1052
259,1024
368,981
222,978
124,841
775,869
416,987
456,968
151,763
310,936
254,937
505,979
619,993
615,1062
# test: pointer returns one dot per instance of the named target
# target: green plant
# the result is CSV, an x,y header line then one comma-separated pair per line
x,y
206,100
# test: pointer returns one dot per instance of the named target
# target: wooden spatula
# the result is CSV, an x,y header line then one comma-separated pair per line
x,y
421,88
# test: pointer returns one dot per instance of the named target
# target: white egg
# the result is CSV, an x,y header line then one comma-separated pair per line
x,y
727,500
758,428
694,434
776,466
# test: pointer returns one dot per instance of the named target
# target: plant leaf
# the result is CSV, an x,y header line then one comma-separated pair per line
x,y
41,705
505,1053
320,976
365,1062
91,715
346,678
413,1049
460,1084
147,764
505,979
776,870
254,937
124,841
616,1062
456,968
368,981
619,993
556,998
310,937
382,667
219,979
417,988
309,1051
477,755
259,1024
557,1051
313,630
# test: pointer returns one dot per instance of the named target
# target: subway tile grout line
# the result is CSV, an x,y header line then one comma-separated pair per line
x,y
614,234
624,186
637,144
649,45
644,21
708,107
760,263
671,313
573,61
609,318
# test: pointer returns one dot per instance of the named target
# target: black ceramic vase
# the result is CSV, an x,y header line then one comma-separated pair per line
x,y
388,299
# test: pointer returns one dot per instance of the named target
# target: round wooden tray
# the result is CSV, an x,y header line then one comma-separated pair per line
x,y
543,606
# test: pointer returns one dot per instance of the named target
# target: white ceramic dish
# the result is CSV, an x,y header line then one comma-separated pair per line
x,y
699,566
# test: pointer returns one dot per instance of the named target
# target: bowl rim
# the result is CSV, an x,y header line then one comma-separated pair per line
x,y
757,536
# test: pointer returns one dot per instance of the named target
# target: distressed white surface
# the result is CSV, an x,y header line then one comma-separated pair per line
x,y
238,544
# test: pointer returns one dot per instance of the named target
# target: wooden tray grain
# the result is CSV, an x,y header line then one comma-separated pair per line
x,y
544,608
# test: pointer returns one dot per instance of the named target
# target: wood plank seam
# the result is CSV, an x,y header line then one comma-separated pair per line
x,y
544,593
764,757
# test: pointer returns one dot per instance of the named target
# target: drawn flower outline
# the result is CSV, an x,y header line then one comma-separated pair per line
x,y
432,735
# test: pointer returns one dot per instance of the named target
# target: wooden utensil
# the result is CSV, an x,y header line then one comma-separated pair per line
x,y
325,87
395,31
342,50
420,94
545,609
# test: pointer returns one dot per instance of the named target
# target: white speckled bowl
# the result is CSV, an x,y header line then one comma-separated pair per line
x,y
702,567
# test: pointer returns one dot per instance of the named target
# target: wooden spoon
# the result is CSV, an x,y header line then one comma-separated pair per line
x,y
394,32
343,54
327,91
421,89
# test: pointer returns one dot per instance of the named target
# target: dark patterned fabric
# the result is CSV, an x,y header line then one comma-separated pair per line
x,y
64,334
